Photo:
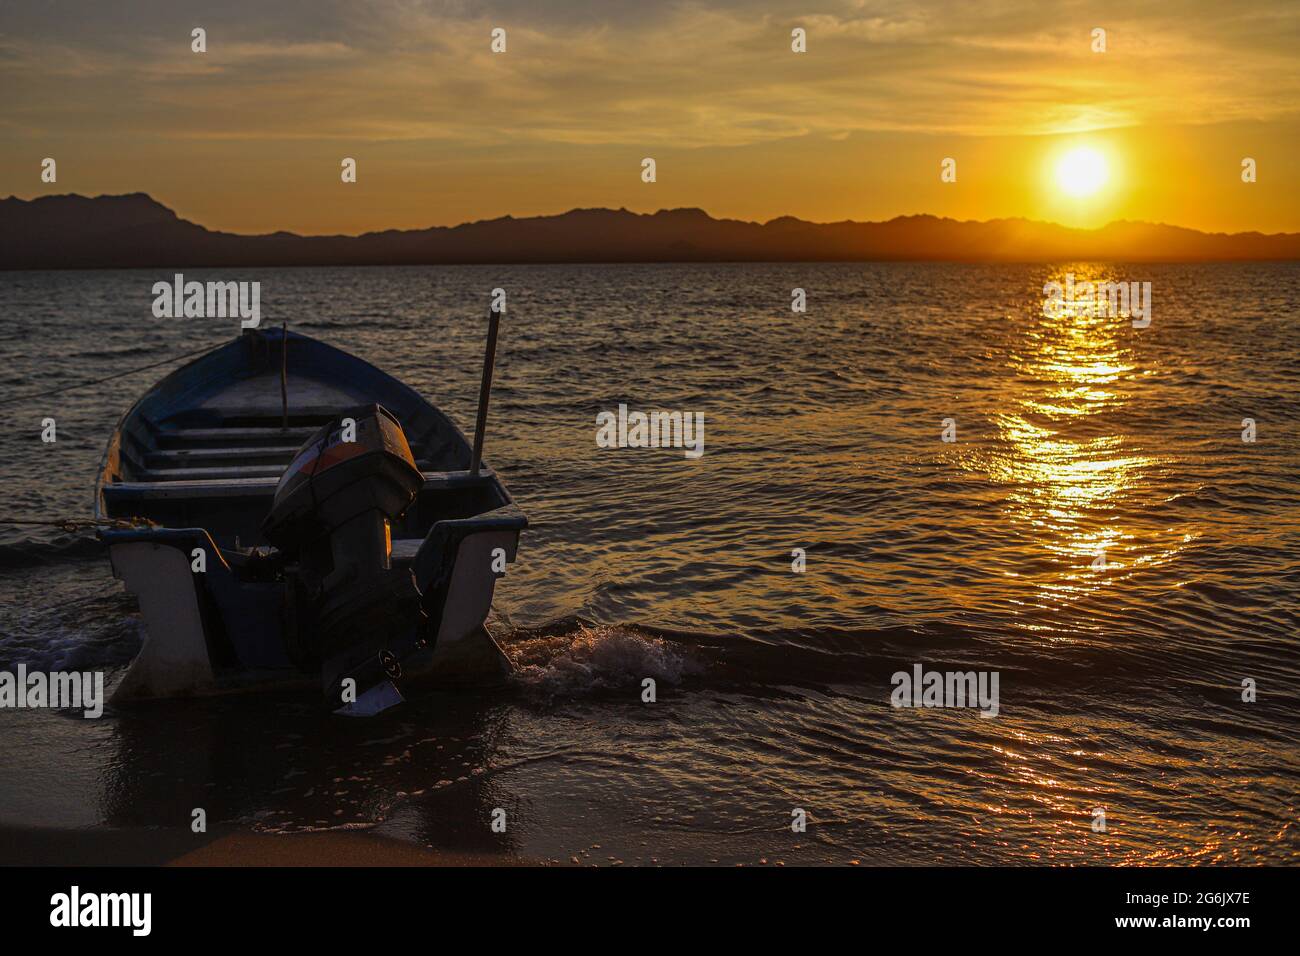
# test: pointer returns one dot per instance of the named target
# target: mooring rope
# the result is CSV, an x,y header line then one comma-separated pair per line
x,y
73,525
108,378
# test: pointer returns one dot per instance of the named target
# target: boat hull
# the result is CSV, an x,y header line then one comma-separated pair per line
x,y
193,468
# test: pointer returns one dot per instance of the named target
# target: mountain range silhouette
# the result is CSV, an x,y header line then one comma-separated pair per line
x,y
136,231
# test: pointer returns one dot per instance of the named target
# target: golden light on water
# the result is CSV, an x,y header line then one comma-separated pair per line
x,y
1072,475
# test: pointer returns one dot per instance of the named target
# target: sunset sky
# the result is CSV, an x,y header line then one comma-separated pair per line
x,y
248,137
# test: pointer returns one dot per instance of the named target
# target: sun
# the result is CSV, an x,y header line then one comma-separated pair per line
x,y
1081,172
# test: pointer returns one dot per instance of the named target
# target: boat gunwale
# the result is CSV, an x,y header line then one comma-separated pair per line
x,y
136,412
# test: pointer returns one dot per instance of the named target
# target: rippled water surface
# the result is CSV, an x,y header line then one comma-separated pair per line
x,y
1078,436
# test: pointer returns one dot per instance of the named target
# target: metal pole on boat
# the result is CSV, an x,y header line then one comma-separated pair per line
x,y
284,375
485,389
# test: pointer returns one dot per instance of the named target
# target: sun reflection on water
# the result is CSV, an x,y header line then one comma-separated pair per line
x,y
1068,467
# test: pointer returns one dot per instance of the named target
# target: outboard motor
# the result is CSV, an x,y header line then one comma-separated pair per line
x,y
349,612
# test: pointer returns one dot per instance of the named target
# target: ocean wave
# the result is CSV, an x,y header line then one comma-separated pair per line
x,y
30,552
595,658
571,657
71,648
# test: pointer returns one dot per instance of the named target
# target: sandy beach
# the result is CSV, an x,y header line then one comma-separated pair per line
x,y
153,847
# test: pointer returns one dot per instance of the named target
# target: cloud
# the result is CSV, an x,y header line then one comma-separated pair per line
x,y
637,74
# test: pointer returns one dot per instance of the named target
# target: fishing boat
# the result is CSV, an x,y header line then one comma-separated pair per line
x,y
284,510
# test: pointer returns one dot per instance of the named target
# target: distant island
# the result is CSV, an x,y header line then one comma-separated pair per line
x,y
136,231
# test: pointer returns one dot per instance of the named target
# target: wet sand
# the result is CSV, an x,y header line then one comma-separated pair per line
x,y
329,849
149,847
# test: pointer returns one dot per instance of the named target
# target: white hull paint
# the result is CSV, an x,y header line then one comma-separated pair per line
x,y
173,658
465,652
